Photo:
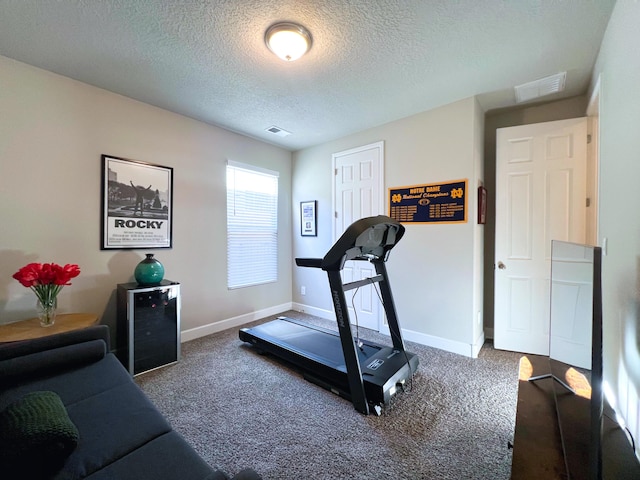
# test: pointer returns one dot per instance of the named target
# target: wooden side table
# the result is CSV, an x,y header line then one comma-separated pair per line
x,y
30,329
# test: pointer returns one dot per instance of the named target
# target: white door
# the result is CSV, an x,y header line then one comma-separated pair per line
x,y
541,196
358,187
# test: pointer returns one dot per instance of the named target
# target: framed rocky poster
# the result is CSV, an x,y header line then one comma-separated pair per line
x,y
137,204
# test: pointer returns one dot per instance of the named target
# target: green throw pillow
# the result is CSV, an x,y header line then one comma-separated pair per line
x,y
36,435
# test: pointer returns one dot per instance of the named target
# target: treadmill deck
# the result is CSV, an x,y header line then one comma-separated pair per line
x,y
318,352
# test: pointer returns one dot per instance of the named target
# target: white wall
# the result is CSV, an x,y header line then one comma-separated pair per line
x,y
618,68
52,133
479,230
433,274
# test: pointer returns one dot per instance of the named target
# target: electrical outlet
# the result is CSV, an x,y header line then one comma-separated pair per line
x,y
303,290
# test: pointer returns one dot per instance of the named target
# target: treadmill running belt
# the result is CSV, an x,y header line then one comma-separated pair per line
x,y
319,344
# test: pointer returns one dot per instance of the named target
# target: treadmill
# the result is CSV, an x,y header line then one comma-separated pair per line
x,y
367,373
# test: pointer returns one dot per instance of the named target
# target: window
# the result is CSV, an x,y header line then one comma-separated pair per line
x,y
252,225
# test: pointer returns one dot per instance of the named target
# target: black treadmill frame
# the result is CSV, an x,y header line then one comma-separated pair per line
x,y
368,239
354,370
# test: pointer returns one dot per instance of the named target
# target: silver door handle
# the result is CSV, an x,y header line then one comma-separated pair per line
x,y
502,266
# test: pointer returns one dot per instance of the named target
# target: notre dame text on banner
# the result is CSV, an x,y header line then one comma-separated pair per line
x,y
430,203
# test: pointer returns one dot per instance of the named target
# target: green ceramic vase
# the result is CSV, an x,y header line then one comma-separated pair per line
x,y
149,271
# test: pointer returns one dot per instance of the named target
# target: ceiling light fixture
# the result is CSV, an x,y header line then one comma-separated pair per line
x,y
289,41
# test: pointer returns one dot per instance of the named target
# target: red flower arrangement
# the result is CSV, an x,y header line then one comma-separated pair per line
x,y
46,280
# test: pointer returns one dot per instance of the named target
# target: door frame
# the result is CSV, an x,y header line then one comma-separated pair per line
x,y
593,166
594,174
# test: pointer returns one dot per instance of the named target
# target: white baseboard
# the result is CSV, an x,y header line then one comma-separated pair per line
x,y
421,338
193,333
317,312
327,314
477,345
442,343
430,341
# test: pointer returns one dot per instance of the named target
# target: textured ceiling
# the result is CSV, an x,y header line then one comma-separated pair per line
x,y
372,62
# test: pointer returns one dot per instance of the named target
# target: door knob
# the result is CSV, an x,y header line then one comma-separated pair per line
x,y
501,266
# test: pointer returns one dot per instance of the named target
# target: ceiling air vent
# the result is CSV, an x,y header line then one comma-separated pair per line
x,y
278,131
541,87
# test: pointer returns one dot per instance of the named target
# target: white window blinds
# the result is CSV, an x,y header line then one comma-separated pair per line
x,y
252,225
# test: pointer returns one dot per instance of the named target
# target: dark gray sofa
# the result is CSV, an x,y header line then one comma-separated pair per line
x,y
120,434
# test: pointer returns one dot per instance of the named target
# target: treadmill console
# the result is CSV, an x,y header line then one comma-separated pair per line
x,y
369,238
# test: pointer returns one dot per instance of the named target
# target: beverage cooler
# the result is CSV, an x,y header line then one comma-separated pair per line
x,y
148,328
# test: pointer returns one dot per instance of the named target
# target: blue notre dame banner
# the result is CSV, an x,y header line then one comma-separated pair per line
x,y
432,203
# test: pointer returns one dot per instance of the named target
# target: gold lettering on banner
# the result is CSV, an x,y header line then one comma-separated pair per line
x,y
438,203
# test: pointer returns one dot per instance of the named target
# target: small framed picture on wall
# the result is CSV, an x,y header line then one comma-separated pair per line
x,y
308,218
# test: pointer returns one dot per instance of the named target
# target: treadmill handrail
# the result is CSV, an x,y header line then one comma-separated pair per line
x,y
309,262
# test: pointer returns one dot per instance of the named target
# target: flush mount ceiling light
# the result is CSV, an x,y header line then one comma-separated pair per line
x,y
288,41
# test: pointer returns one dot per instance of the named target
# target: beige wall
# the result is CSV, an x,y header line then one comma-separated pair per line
x,y
618,68
434,277
52,133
